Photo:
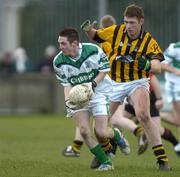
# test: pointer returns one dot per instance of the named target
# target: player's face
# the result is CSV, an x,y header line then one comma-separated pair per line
x,y
68,49
133,26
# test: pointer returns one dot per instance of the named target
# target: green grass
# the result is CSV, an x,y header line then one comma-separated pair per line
x,y
30,146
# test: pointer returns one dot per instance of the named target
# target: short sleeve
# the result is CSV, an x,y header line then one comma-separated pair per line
x,y
154,51
105,34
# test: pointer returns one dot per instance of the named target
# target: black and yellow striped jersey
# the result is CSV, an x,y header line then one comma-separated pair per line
x,y
106,47
120,45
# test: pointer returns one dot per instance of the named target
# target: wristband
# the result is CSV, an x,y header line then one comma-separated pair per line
x,y
94,84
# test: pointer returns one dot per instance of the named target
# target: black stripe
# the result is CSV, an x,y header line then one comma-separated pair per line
x,y
118,54
120,46
128,47
114,40
122,72
98,39
113,67
145,50
133,54
131,71
113,70
143,53
146,45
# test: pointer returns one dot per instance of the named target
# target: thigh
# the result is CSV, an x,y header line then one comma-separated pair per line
x,y
82,119
101,122
140,101
113,107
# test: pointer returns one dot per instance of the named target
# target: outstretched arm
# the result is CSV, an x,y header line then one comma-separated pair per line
x,y
167,68
89,29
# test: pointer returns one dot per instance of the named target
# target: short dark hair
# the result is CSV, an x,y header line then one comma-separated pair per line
x,y
71,34
134,11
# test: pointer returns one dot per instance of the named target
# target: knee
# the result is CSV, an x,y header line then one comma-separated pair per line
x,y
84,132
100,134
114,121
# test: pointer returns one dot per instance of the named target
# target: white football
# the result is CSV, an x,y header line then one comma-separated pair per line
x,y
80,94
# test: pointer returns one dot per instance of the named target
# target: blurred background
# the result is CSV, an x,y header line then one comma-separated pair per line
x,y
28,44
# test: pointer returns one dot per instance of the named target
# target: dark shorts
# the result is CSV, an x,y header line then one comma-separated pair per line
x,y
153,110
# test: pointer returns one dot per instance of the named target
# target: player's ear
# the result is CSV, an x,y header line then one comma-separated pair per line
x,y
75,43
142,21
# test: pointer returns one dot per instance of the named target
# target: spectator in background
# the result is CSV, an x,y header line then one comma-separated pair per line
x,y
7,65
45,66
22,62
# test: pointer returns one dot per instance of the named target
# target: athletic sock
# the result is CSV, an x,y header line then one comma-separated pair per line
x,y
77,145
168,135
105,144
160,154
116,137
137,132
100,154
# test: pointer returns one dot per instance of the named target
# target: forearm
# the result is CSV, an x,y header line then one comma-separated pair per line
x,y
168,68
66,92
91,33
156,87
100,77
155,67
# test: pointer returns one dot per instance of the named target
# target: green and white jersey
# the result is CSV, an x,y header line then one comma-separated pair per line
x,y
83,68
172,57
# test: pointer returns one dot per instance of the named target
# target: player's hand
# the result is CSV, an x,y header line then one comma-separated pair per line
x,y
70,105
159,103
144,64
87,25
92,85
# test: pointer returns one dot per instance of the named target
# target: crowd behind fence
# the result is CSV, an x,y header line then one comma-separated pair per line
x,y
42,20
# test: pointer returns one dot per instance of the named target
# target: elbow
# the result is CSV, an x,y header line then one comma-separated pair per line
x,y
156,70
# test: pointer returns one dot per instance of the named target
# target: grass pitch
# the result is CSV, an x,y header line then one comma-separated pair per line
x,y
30,146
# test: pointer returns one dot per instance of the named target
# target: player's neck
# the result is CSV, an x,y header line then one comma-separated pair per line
x,y
74,54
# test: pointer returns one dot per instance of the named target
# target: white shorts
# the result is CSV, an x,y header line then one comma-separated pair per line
x,y
172,91
122,90
99,105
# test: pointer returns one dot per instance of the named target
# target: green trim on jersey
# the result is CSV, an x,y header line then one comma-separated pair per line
x,y
87,51
176,63
177,45
169,56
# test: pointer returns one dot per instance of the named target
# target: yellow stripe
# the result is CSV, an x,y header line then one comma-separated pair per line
x,y
124,46
75,149
133,45
118,66
126,72
135,73
142,45
158,148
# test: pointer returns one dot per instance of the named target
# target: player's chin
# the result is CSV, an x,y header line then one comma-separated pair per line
x,y
65,52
